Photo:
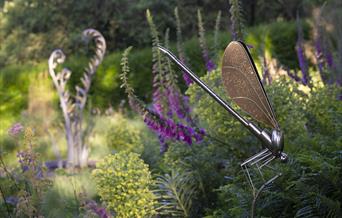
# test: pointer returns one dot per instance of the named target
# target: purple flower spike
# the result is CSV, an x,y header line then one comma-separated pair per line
x,y
16,129
100,211
340,97
329,59
157,107
12,200
163,145
249,46
203,44
210,65
302,64
293,75
187,79
319,54
300,54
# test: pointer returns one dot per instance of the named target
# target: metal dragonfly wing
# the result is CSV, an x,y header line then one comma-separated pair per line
x,y
243,85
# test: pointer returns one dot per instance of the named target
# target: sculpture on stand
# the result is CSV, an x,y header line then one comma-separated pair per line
x,y
242,83
73,107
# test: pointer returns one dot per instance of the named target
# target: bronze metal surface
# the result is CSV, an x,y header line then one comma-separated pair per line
x,y
243,85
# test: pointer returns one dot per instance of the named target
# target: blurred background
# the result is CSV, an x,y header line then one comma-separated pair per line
x,y
30,30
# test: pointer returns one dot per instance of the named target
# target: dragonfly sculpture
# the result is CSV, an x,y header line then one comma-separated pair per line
x,y
242,83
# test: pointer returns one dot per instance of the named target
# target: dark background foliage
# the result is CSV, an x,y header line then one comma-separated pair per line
x,y
58,23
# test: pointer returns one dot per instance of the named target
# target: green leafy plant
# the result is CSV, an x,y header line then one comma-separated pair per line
x,y
123,182
311,181
205,168
237,19
125,134
67,193
216,35
31,182
175,193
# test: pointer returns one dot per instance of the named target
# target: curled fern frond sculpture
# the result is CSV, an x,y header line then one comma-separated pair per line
x,y
72,108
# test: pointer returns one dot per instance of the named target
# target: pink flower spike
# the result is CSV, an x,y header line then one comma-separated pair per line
x,y
16,129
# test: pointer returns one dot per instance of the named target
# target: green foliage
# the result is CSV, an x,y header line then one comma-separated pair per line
x,y
15,79
279,39
233,194
125,134
237,19
311,181
324,113
205,178
216,32
63,199
15,83
125,70
151,150
175,193
34,180
29,180
205,165
179,35
30,30
123,181
201,31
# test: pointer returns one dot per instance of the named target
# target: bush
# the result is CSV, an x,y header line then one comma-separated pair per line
x,y
123,181
204,166
64,197
125,134
311,181
14,91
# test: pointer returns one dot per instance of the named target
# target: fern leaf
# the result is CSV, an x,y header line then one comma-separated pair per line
x,y
175,194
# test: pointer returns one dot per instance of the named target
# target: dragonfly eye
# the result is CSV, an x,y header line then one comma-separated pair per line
x,y
283,157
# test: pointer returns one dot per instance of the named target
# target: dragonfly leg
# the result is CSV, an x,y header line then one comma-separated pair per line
x,y
254,161
258,162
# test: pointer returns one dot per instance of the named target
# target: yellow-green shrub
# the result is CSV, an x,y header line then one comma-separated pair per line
x,y
125,134
123,182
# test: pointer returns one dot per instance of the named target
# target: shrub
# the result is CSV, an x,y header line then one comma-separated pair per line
x,y
123,182
64,196
29,181
311,181
175,193
125,134
204,167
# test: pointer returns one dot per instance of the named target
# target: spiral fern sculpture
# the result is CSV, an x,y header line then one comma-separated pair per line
x,y
72,108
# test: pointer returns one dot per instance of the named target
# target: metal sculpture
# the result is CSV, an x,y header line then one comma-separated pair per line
x,y
243,85
72,108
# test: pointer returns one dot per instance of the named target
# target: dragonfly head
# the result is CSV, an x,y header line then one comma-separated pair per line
x,y
278,144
